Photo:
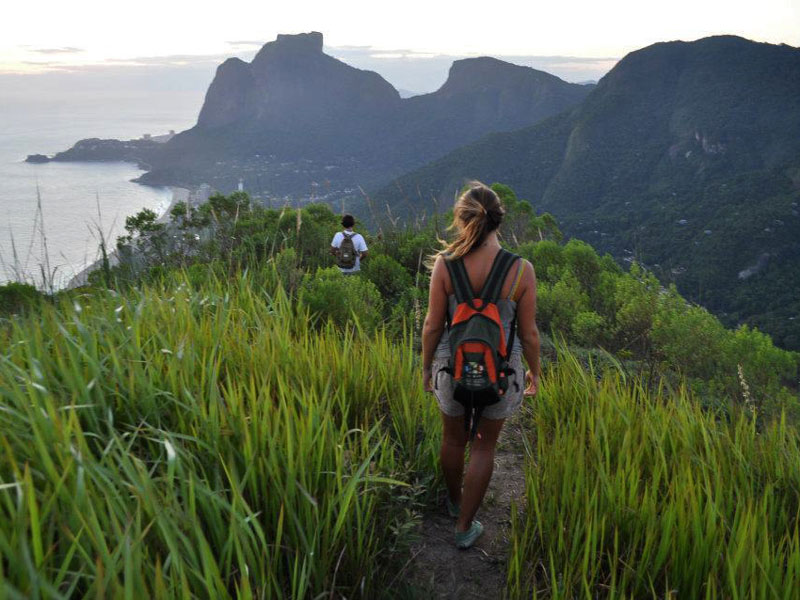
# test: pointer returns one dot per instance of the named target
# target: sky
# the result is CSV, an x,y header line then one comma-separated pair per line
x,y
576,40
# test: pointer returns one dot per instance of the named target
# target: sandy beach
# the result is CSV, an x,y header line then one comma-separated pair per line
x,y
179,195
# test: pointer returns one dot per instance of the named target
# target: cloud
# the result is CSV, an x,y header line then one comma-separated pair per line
x,y
170,60
64,50
406,69
42,63
246,43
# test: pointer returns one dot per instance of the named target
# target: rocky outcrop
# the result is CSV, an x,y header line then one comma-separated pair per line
x,y
291,83
108,150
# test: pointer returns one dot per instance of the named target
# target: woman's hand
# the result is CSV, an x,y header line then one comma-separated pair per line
x,y
531,383
427,380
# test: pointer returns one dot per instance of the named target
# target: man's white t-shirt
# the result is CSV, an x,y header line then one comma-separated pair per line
x,y
358,243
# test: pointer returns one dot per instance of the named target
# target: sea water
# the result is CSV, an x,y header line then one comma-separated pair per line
x,y
71,193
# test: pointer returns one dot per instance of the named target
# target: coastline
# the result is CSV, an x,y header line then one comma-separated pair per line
x,y
179,194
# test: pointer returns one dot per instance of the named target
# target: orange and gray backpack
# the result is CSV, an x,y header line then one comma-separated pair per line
x,y
346,256
479,350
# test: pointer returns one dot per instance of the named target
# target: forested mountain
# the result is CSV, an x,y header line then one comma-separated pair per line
x,y
685,156
296,117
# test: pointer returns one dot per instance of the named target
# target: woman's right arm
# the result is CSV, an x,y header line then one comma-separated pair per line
x,y
434,320
526,328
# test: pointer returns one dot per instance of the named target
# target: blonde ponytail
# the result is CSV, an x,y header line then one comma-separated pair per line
x,y
477,212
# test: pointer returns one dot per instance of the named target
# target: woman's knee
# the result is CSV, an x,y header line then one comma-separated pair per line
x,y
453,433
454,440
488,434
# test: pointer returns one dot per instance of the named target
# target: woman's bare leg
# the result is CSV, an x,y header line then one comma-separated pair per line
x,y
479,470
454,443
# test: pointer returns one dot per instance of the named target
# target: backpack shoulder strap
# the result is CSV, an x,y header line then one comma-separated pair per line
x,y
460,280
497,275
513,294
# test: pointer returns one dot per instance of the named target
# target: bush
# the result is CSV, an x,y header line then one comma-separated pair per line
x,y
558,304
331,295
18,297
388,275
287,266
583,262
589,329
689,338
547,258
408,312
200,274
637,299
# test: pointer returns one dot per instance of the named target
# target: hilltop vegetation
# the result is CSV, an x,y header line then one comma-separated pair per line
x,y
213,418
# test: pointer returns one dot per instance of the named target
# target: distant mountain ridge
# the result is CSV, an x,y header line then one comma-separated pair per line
x,y
686,155
295,115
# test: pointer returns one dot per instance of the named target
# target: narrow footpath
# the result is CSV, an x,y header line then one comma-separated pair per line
x,y
437,568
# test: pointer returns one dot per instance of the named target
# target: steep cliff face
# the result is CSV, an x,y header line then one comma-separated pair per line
x,y
231,95
291,83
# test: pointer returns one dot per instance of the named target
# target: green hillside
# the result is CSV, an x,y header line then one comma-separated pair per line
x,y
685,157
229,417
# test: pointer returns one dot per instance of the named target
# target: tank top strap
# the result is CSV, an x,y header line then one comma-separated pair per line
x,y
512,295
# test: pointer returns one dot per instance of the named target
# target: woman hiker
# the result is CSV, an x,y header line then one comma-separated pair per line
x,y
477,216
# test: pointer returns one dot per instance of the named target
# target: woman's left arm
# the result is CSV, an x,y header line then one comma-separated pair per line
x,y
434,320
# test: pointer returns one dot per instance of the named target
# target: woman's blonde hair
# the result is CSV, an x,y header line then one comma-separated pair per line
x,y
477,212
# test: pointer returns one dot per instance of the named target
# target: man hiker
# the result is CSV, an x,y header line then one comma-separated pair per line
x,y
348,247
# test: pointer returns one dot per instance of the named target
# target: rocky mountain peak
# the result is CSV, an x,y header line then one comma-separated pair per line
x,y
486,72
291,80
301,42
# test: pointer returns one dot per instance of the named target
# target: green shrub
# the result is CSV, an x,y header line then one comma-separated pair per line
x,y
589,329
637,299
688,338
388,275
547,258
17,297
583,261
288,269
408,312
330,294
558,304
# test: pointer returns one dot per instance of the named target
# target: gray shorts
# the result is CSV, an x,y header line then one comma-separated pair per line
x,y
511,401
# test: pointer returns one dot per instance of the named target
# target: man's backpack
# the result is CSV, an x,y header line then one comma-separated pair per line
x,y
346,257
479,351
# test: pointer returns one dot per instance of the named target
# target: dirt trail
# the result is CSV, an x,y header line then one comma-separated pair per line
x,y
437,568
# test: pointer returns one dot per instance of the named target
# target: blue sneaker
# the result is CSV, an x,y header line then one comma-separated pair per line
x,y
452,509
465,539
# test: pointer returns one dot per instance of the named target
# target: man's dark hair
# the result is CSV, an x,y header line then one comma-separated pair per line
x,y
348,221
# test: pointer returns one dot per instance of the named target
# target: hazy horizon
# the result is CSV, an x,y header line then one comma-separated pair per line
x,y
406,70
89,32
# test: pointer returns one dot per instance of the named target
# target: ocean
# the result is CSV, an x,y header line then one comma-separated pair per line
x,y
70,192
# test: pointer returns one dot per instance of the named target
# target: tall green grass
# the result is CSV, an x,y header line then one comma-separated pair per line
x,y
635,494
214,440
196,443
